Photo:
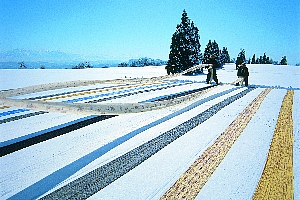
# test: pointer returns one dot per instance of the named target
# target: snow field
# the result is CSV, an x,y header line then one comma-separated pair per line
x,y
272,75
30,77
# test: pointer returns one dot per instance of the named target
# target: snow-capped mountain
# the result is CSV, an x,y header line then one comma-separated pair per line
x,y
50,59
19,55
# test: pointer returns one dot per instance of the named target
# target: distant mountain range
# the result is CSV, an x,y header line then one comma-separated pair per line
x,y
49,59
58,60
19,55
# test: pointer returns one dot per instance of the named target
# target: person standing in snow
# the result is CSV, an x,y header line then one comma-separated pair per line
x,y
212,72
243,74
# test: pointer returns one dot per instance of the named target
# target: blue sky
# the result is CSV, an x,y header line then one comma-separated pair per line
x,y
123,29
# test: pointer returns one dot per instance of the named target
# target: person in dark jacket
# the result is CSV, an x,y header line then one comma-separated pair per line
x,y
243,74
212,72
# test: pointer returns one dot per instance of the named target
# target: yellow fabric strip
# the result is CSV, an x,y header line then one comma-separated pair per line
x,y
277,178
3,107
191,182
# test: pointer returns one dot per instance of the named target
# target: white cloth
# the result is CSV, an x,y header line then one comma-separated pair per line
x,y
241,80
211,74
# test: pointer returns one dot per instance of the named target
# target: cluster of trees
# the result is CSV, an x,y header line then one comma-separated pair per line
x,y
141,62
261,60
83,65
22,65
185,48
283,61
224,57
212,49
266,60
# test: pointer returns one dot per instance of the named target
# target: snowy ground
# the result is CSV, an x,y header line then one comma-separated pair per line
x,y
42,168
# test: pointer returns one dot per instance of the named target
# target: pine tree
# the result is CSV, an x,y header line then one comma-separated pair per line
x,y
260,60
185,46
22,65
216,51
208,51
224,56
212,49
83,65
253,61
283,61
264,59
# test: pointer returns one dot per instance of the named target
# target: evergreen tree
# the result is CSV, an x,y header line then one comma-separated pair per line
x,y
268,60
240,58
83,65
212,48
141,62
185,46
216,52
260,60
224,57
22,65
264,59
283,61
208,51
123,64
253,61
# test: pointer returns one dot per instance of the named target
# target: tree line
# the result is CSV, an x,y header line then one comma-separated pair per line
x,y
83,65
185,50
261,60
141,62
